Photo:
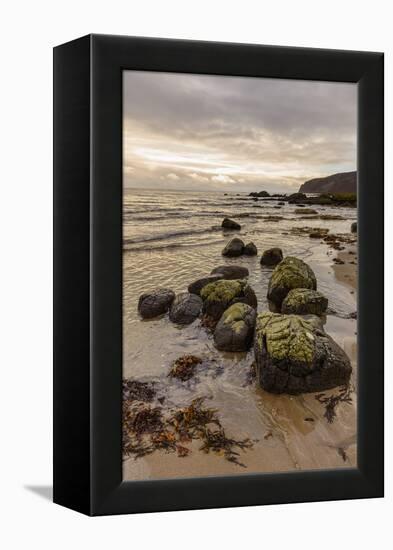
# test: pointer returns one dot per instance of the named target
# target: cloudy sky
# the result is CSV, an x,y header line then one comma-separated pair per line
x,y
216,133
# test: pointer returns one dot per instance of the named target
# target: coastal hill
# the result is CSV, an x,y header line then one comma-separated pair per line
x,y
344,182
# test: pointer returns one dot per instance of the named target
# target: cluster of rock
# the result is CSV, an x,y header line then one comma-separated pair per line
x,y
236,247
292,352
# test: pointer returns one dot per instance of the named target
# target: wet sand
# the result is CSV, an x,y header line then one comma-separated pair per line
x,y
347,272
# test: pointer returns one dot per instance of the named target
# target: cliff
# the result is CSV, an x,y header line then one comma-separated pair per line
x,y
344,182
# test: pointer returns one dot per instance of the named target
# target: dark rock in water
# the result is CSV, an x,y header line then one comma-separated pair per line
x,y
272,256
231,271
289,274
196,286
281,203
344,182
302,301
354,227
318,233
230,224
294,355
259,194
234,248
296,197
250,249
235,329
185,308
218,296
155,303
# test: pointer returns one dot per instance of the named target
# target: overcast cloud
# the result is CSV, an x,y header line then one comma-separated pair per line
x,y
234,133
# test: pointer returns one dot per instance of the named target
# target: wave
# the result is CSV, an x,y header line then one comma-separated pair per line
x,y
171,234
150,248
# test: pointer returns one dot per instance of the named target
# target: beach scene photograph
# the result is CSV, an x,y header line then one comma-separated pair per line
x,y
240,266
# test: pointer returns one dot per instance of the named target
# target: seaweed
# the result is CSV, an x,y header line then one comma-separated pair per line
x,y
184,367
147,429
208,322
331,402
140,391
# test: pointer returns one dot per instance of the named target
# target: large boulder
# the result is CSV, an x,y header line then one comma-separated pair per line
x,y
196,286
272,256
185,308
250,249
230,224
303,301
294,355
218,296
233,248
156,302
289,274
231,271
235,329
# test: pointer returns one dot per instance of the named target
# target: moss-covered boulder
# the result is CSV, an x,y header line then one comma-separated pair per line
x,y
196,286
156,302
235,329
271,256
289,274
185,308
233,248
294,355
303,301
218,296
231,271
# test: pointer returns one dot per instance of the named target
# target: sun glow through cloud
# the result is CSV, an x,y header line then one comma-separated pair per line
x,y
212,133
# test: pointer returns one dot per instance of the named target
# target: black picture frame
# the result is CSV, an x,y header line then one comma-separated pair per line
x,y
88,274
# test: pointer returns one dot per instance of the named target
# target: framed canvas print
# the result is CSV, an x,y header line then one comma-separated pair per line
x,y
218,275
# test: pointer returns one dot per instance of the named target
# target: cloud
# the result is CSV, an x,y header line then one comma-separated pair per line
x,y
242,132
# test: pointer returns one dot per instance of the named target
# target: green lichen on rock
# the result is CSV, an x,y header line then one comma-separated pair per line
x,y
218,296
286,337
223,291
289,274
234,316
303,301
294,355
235,329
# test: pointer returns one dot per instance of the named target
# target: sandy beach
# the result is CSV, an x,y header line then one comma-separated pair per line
x,y
288,432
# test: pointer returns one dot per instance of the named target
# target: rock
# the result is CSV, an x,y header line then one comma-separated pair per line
x,y
294,355
354,227
281,203
259,194
302,301
218,296
289,274
185,308
344,182
272,256
233,248
318,233
231,271
230,224
296,197
155,303
250,249
196,286
305,211
235,329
